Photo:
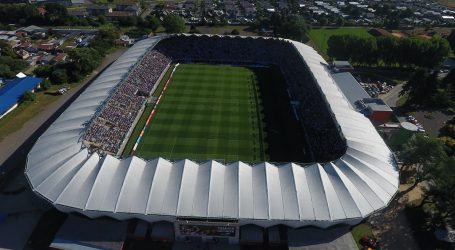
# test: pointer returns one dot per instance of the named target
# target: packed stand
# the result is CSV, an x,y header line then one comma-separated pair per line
x,y
322,132
110,126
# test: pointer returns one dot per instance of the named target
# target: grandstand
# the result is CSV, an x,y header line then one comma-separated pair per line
x,y
74,164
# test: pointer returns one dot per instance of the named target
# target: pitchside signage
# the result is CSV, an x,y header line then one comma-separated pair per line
x,y
190,229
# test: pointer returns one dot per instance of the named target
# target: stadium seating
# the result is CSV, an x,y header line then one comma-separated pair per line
x,y
110,127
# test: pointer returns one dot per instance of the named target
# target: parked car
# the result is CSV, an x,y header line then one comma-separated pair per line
x,y
369,241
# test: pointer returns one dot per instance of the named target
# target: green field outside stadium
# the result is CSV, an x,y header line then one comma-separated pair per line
x,y
207,112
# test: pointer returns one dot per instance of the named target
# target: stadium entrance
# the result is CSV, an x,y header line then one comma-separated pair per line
x,y
196,230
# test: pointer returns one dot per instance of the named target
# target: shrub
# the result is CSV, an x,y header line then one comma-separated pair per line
x,y
28,96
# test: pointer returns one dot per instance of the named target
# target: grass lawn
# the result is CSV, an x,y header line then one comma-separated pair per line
x,y
207,112
320,36
359,231
449,3
402,100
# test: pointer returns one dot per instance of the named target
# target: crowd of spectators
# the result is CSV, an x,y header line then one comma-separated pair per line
x,y
322,132
111,125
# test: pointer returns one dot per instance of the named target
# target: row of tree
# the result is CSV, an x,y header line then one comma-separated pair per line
x,y
389,51
284,24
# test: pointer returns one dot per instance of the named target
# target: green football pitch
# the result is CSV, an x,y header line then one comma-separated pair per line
x,y
207,112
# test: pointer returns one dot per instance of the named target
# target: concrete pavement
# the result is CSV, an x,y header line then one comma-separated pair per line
x,y
392,96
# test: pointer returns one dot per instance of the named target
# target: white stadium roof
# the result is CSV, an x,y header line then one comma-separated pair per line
x,y
362,181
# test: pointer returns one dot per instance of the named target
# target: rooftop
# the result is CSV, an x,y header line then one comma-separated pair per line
x,y
350,87
342,64
12,92
376,104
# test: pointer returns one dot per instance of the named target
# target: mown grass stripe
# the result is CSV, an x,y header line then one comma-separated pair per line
x,y
206,113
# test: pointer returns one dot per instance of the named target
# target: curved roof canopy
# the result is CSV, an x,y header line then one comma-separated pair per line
x,y
362,181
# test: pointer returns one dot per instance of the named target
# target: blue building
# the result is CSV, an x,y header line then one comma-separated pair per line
x,y
12,91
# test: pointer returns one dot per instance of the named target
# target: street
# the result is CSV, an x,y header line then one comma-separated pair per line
x,y
392,96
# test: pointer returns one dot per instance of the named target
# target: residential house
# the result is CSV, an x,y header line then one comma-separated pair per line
x,y
131,7
60,57
78,13
48,47
96,10
114,15
23,54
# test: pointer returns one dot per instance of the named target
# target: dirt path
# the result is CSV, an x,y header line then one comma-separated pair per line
x,y
13,142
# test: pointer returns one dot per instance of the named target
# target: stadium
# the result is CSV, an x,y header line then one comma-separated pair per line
x,y
215,137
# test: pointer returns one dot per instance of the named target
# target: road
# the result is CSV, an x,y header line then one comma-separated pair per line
x,y
392,96
15,147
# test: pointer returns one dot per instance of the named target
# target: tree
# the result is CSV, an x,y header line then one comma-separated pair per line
x,y
15,65
6,49
293,27
337,47
437,51
102,19
441,187
194,30
127,21
451,39
420,155
43,71
28,96
82,61
5,71
449,84
104,40
59,76
441,99
56,14
392,22
323,21
388,48
20,13
235,32
423,88
174,24
449,142
340,21
154,22
46,84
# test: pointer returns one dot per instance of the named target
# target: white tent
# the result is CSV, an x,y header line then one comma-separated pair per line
x,y
346,190
21,75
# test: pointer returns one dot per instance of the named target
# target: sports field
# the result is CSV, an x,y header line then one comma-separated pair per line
x,y
207,112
